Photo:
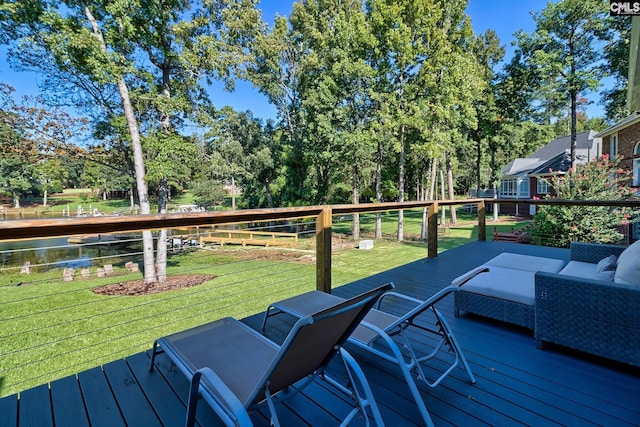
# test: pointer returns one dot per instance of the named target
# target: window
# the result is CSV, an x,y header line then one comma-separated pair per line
x,y
636,164
543,186
508,187
523,188
513,187
613,146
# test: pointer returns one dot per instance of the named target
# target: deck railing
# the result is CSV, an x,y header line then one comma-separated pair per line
x,y
42,339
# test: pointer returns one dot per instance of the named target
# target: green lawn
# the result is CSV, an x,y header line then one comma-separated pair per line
x,y
70,199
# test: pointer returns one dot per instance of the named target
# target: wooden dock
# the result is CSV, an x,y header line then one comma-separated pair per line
x,y
249,238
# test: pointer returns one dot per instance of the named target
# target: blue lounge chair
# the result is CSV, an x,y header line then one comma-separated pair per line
x,y
236,369
375,332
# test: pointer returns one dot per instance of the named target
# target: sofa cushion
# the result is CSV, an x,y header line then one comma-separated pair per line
x,y
606,276
607,264
581,269
628,269
526,263
504,283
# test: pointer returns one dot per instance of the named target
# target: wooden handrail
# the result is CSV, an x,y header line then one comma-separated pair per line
x,y
51,227
39,228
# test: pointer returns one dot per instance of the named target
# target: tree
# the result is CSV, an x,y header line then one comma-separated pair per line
x,y
32,138
616,54
408,37
597,180
488,53
263,158
103,44
564,53
276,72
335,93
51,175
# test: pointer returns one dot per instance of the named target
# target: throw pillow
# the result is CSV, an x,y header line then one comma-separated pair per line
x,y
607,264
628,269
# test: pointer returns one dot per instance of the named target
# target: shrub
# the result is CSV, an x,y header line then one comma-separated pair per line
x,y
597,180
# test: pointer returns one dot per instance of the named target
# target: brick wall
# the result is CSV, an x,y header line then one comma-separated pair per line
x,y
627,139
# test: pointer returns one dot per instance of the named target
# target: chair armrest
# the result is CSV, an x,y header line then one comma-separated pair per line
x,y
461,280
397,295
455,284
221,399
593,252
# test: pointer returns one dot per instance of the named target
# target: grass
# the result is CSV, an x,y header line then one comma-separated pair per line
x,y
52,328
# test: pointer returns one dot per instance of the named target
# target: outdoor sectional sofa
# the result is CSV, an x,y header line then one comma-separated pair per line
x,y
507,291
574,306
600,317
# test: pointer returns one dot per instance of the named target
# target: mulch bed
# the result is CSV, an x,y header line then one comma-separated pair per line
x,y
138,287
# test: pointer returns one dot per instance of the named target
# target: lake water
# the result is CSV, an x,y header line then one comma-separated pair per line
x,y
58,253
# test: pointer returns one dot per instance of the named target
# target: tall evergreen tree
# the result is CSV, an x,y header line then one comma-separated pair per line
x,y
616,53
564,51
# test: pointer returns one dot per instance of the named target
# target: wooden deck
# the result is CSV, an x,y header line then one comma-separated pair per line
x,y
516,383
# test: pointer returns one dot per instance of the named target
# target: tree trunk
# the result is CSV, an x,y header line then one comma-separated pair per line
x,y
478,166
161,243
425,196
44,197
495,205
138,158
443,212
267,190
379,189
401,186
451,191
132,201
574,142
494,186
233,193
356,200
163,186
433,179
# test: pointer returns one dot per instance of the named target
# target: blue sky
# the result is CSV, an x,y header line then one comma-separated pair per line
x,y
505,17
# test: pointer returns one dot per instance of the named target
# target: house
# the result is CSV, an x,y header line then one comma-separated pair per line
x,y
526,178
623,139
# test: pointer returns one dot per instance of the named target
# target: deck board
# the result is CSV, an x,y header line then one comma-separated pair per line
x,y
9,410
517,384
66,401
166,404
35,410
133,405
101,404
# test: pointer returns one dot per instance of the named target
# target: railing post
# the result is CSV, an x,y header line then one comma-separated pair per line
x,y
432,230
482,222
323,250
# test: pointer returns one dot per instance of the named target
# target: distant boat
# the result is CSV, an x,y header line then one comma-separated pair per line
x,y
74,263
189,208
92,238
